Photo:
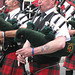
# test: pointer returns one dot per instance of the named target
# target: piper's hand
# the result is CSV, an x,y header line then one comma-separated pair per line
x,y
24,52
21,59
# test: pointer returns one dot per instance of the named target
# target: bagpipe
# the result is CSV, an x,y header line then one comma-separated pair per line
x,y
46,34
12,24
5,26
9,24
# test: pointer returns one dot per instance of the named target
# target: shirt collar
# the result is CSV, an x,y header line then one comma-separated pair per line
x,y
49,11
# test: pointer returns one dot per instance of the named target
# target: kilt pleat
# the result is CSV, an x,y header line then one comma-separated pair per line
x,y
43,69
69,62
10,66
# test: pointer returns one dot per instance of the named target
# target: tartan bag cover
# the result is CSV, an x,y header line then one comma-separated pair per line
x,y
10,66
44,69
69,62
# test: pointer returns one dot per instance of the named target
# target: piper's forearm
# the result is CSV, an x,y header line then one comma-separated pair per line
x,y
51,46
10,33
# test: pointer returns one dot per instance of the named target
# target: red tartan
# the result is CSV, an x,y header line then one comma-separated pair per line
x,y
55,70
10,66
69,62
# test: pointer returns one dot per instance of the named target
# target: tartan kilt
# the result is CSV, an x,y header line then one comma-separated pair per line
x,y
69,62
10,66
44,69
